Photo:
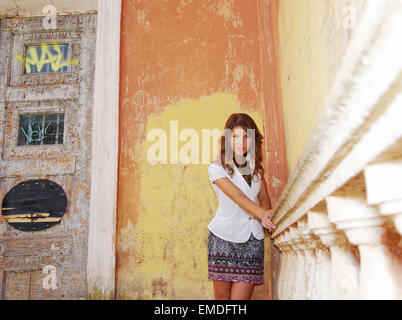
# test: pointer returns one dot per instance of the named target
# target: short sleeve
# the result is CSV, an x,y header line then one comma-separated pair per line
x,y
216,171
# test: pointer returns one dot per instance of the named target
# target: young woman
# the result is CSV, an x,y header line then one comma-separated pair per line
x,y
236,233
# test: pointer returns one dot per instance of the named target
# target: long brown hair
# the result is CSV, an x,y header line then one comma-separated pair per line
x,y
246,122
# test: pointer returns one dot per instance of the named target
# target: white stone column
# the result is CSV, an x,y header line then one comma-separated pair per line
x,y
290,267
101,260
298,291
280,243
343,280
322,272
380,268
309,243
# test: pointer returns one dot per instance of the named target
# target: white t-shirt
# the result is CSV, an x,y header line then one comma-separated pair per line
x,y
231,222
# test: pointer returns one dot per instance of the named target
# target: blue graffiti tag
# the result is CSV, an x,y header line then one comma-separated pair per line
x,y
39,134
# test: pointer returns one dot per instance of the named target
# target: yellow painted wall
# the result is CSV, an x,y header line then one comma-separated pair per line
x,y
313,38
166,248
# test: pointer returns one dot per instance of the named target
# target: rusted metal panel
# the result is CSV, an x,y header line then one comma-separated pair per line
x,y
34,205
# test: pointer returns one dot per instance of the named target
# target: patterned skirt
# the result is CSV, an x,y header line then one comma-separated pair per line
x,y
236,262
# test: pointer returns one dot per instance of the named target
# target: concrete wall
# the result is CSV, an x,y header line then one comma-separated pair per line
x,y
192,64
25,254
313,38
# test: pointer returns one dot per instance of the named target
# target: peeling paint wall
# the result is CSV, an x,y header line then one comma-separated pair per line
x,y
29,260
313,35
192,63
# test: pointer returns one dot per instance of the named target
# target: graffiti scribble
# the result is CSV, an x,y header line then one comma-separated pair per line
x,y
35,135
46,58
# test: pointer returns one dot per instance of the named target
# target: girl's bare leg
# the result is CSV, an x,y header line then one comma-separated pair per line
x,y
222,290
241,291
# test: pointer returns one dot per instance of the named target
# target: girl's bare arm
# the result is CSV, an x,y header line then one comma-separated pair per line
x,y
234,193
263,196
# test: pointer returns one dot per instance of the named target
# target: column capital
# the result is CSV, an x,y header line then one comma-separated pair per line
x,y
320,225
287,240
309,240
280,242
296,240
361,222
384,189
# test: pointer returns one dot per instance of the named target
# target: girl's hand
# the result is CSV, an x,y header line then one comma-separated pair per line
x,y
270,213
266,221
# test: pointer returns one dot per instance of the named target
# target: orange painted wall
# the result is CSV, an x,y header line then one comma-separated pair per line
x,y
194,62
